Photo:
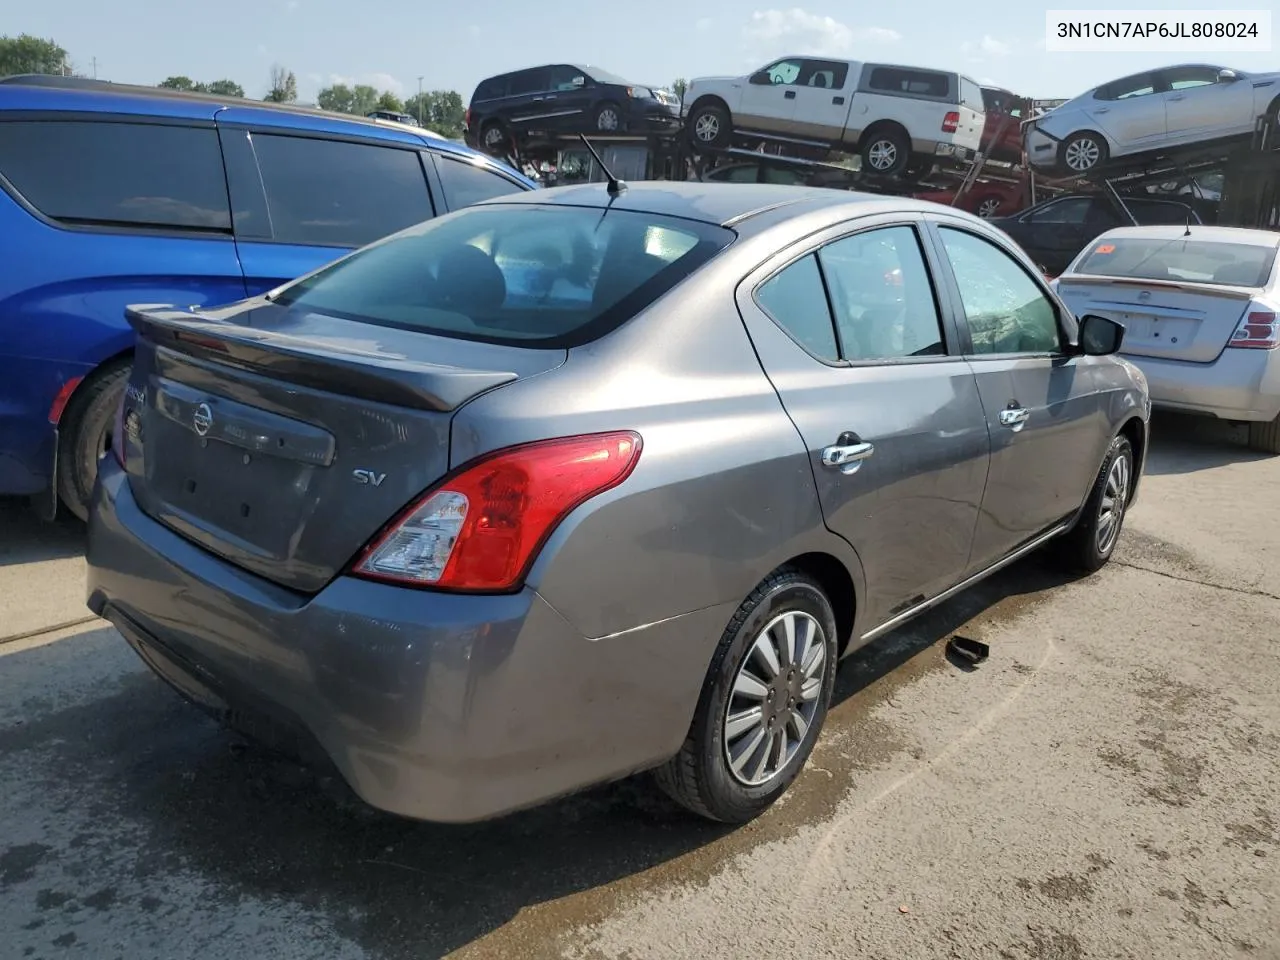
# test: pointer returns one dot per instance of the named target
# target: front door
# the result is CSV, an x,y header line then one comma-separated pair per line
x,y
1199,105
1044,416
769,98
848,330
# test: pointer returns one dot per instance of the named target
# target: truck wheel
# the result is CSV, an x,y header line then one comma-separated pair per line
x,y
710,126
84,434
886,151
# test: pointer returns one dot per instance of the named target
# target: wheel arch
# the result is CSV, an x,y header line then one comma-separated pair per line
x,y
710,99
831,574
880,125
1137,433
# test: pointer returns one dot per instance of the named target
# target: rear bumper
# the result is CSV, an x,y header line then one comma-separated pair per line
x,y
433,706
1239,385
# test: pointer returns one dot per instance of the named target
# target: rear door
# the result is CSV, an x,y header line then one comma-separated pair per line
x,y
823,95
1043,409
301,200
848,328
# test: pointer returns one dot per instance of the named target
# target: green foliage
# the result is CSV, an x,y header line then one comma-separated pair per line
x,y
283,86
27,54
679,86
223,88
389,101
441,110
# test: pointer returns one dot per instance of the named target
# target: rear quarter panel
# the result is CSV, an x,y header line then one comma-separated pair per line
x,y
723,492
62,300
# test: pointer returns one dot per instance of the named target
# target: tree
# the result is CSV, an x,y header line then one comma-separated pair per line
x,y
179,83
364,99
27,54
442,111
284,86
418,106
337,98
227,88
390,102
679,87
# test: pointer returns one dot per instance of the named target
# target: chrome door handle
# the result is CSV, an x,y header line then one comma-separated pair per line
x,y
1177,98
1102,110
848,457
1014,416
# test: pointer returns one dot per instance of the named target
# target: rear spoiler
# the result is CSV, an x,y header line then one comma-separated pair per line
x,y
1212,290
383,377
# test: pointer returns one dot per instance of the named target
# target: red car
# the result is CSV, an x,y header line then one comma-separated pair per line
x,y
986,198
1002,132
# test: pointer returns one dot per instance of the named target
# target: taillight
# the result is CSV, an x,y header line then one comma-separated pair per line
x,y
480,529
951,122
1259,330
59,405
466,118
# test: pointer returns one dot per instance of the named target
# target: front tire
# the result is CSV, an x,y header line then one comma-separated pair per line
x,y
608,118
1083,153
1090,544
84,434
763,703
710,126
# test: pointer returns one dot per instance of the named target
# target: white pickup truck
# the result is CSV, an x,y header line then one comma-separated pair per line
x,y
898,118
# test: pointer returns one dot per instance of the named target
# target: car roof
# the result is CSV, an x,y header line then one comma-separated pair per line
x,y
722,204
71,94
1258,238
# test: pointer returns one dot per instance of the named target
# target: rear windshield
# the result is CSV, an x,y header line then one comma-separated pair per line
x,y
521,274
1197,261
971,95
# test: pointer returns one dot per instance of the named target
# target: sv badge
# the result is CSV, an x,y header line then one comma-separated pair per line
x,y
368,477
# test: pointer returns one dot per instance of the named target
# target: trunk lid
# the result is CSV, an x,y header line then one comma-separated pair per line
x,y
283,440
1169,320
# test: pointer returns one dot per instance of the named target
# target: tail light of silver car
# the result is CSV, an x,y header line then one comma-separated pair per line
x,y
951,122
1259,330
480,529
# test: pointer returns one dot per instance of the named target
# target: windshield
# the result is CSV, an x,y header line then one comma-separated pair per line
x,y
604,76
520,274
1196,261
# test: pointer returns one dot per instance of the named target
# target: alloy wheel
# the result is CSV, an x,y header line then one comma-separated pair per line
x,y
607,120
707,127
1115,497
883,154
987,208
1083,154
774,697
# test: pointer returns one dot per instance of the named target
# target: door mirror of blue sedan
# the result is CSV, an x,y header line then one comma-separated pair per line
x,y
1100,336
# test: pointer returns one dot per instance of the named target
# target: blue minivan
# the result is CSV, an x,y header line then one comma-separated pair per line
x,y
113,195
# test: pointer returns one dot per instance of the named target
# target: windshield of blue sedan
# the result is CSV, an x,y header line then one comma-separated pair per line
x,y
1180,260
546,276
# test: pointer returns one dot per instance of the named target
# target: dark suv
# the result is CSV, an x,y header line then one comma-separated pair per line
x,y
564,98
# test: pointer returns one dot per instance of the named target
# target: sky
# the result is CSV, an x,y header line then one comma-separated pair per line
x,y
451,45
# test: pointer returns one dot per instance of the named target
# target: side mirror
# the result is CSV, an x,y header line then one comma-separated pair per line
x,y
1227,76
1100,336
761,78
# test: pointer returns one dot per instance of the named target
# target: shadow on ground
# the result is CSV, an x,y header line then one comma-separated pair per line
x,y
190,797
25,538
1186,444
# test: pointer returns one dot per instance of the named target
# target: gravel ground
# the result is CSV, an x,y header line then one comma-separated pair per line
x,y
1106,785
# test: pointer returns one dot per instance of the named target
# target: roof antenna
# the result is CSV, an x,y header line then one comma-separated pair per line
x,y
1187,232
616,186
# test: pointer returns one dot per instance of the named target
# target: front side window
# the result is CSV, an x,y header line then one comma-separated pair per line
x,y
1005,309
513,273
882,297
138,175
784,71
1187,78
465,183
337,193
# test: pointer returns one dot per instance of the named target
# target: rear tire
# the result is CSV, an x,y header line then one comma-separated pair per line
x,y
759,692
1090,544
494,139
84,434
1265,436
886,151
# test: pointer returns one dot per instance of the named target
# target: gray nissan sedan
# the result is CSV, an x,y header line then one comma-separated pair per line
x,y
566,486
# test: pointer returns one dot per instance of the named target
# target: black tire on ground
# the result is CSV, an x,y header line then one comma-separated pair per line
x,y
1264,436
1083,153
700,776
494,139
710,126
84,434
886,151
1090,544
608,118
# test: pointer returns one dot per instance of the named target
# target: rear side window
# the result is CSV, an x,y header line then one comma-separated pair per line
x,y
336,193
514,273
466,183
797,301
971,95
1198,261
118,174
913,82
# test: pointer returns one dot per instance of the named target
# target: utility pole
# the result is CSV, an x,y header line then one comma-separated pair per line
x,y
95,68
419,101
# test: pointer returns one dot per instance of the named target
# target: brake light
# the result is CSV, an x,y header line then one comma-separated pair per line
x,y
1259,330
951,122
466,118
59,405
481,529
